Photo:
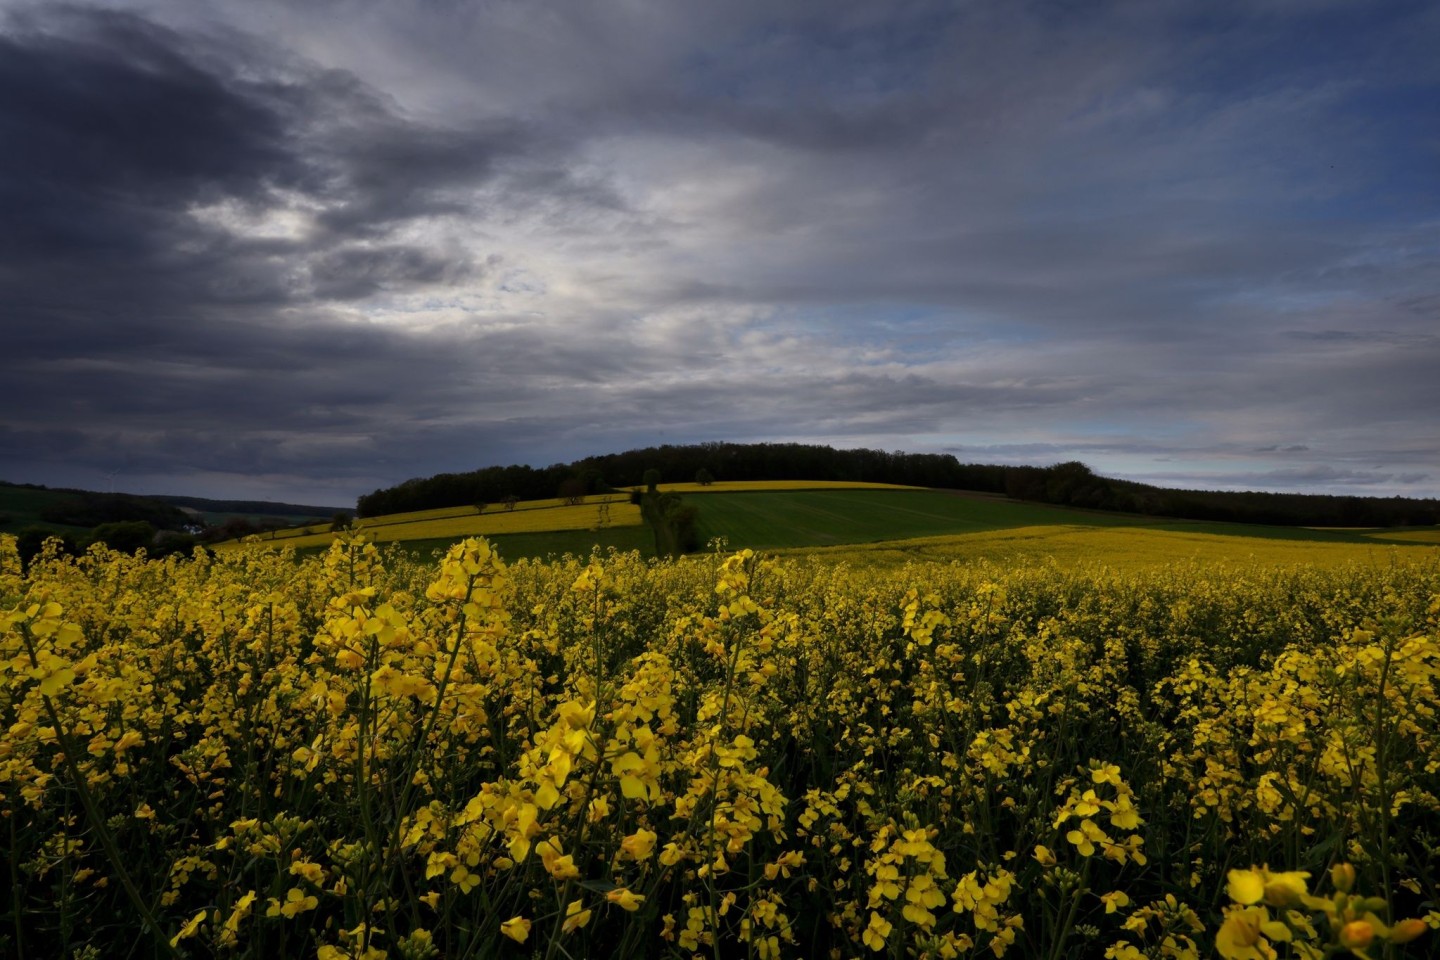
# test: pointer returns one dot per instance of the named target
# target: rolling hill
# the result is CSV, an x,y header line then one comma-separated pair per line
x,y
868,524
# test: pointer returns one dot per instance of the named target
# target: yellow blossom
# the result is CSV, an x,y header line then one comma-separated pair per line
x,y
189,929
639,845
1114,900
575,917
296,903
625,899
516,928
876,932
1246,886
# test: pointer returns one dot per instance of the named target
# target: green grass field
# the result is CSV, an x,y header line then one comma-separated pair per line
x,y
810,518
815,518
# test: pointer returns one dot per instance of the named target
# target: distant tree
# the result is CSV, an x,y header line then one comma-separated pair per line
x,y
232,529
510,501
594,481
572,491
683,519
339,522
671,522
32,542
1073,483
167,542
124,536
704,477
480,506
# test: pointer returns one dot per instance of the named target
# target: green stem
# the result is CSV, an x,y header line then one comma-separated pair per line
x,y
1074,907
97,823
1382,767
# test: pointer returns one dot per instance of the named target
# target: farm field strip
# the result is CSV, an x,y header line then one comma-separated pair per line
x,y
762,486
445,513
450,513
552,517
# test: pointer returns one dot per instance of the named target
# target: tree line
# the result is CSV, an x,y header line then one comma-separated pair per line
x,y
1066,484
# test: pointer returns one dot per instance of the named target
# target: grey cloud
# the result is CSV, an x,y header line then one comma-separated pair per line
x,y
342,244
351,273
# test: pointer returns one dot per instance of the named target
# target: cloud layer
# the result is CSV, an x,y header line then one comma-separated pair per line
x,y
306,250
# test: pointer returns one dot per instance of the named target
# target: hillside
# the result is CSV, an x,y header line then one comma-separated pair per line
x,y
127,522
24,504
1065,484
871,525
66,510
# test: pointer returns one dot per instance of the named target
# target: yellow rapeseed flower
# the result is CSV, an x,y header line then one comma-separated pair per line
x,y
1246,886
296,903
575,916
639,845
189,929
625,899
875,934
1114,900
516,928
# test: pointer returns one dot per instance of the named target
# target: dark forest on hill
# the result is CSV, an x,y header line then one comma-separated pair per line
x,y
1070,484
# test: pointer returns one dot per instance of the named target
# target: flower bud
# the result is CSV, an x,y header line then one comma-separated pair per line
x,y
1357,934
1407,930
1342,875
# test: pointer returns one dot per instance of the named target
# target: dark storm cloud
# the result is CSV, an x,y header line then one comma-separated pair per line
x,y
118,130
310,249
110,112
135,324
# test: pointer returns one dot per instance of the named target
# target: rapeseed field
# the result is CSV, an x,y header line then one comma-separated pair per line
x,y
1131,548
361,755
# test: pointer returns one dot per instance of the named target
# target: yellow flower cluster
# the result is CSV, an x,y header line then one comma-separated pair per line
x,y
363,755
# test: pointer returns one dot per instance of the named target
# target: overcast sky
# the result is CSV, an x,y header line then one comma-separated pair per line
x,y
302,250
